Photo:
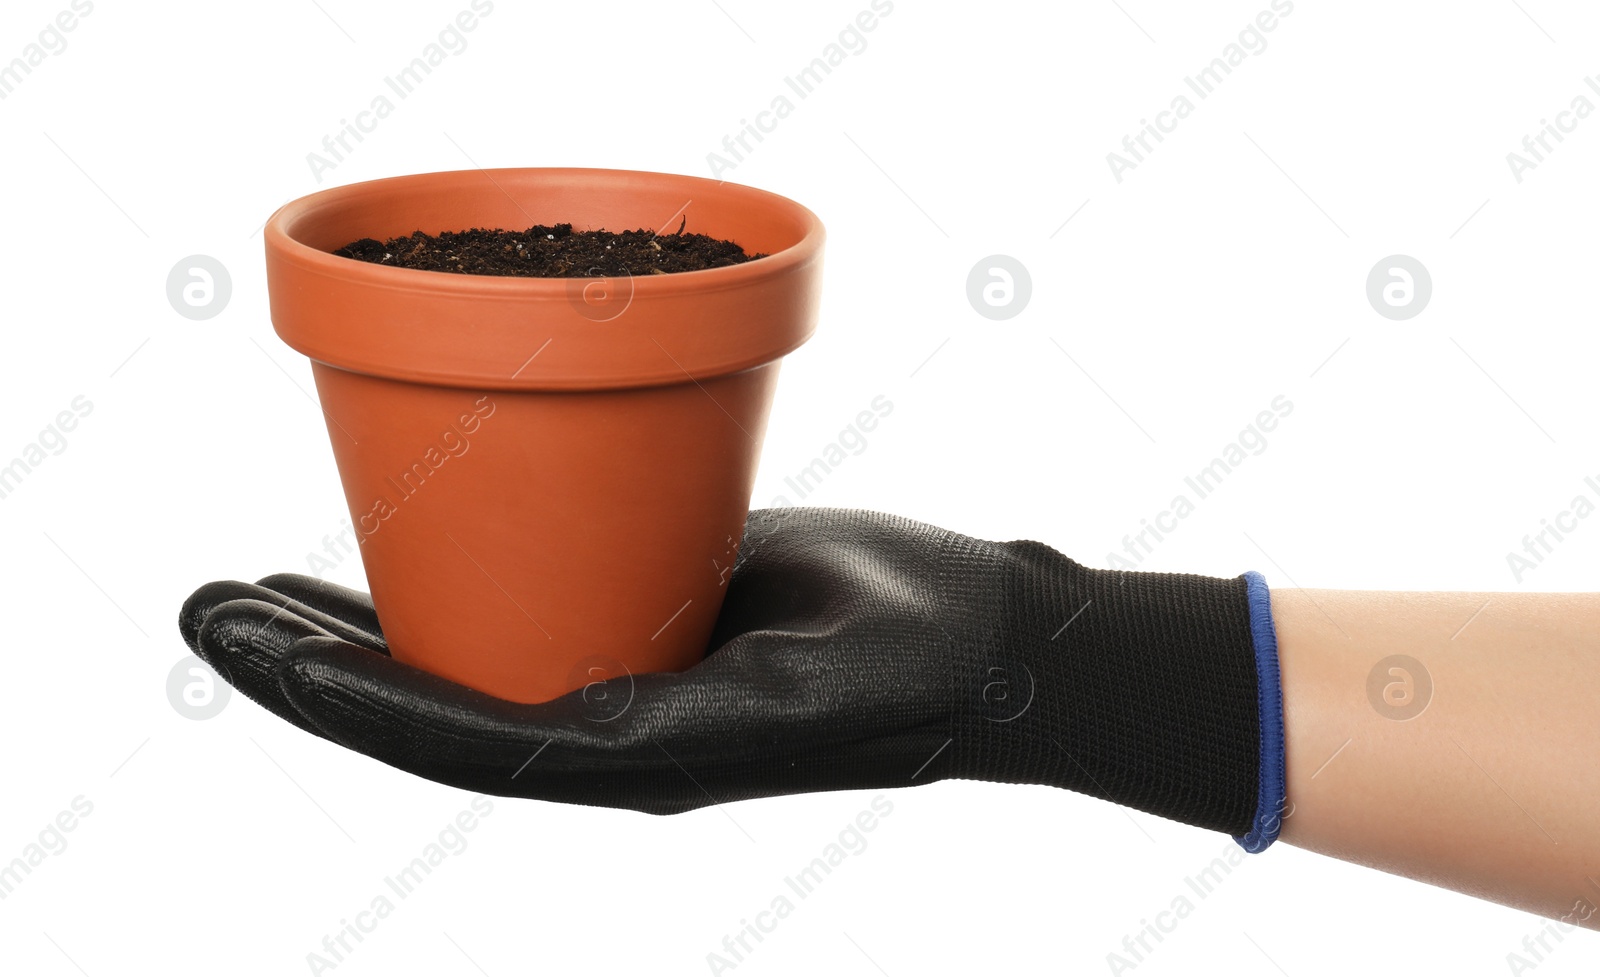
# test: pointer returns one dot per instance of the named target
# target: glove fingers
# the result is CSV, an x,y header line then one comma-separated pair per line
x,y
434,728
350,606
203,602
244,640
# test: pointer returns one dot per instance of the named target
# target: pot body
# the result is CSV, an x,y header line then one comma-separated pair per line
x,y
549,477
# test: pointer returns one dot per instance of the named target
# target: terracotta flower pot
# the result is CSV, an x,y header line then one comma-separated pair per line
x,y
549,477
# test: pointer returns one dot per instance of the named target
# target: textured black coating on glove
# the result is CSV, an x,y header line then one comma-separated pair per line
x,y
854,650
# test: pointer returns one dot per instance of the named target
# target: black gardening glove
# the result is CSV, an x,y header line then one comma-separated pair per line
x,y
854,650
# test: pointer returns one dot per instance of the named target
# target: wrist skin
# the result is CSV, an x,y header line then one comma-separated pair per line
x,y
1493,787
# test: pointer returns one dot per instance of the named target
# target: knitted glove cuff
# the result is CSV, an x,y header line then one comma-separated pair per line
x,y
1273,797
1157,691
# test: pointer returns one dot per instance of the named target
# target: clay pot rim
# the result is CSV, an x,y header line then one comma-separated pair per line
x,y
280,234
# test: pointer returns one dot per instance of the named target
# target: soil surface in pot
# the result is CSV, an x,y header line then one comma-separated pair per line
x,y
551,252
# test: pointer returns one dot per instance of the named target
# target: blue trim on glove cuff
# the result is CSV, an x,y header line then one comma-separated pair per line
x,y
1270,805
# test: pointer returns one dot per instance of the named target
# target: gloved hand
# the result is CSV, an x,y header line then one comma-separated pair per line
x,y
854,650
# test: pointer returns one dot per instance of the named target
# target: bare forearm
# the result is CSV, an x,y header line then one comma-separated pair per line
x,y
1493,787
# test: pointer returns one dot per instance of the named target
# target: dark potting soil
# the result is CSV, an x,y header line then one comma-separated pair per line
x,y
551,252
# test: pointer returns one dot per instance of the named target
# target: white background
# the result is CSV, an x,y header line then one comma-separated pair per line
x,y
1227,269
